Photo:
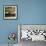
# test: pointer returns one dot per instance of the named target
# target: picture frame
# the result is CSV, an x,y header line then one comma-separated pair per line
x,y
10,12
33,31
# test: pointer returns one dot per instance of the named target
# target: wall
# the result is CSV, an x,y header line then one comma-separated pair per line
x,y
33,12
7,26
29,12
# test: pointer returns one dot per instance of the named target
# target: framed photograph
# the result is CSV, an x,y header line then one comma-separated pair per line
x,y
10,12
33,32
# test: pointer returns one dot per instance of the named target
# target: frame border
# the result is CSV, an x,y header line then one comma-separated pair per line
x,y
16,13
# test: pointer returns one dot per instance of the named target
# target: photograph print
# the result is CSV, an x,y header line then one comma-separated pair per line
x,y
10,12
